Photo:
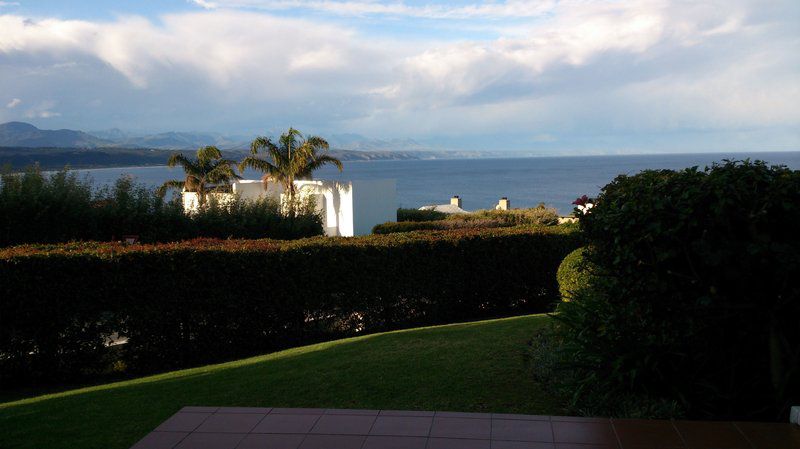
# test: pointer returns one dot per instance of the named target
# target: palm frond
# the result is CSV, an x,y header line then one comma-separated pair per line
x,y
319,161
172,184
207,154
317,143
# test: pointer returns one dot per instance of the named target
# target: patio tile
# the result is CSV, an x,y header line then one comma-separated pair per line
x,y
286,424
211,441
270,441
461,428
333,442
160,440
297,411
183,422
578,419
518,430
348,411
643,432
496,444
230,423
412,426
382,442
584,446
586,432
454,443
462,415
344,424
261,410
521,417
711,435
406,413
196,409
771,435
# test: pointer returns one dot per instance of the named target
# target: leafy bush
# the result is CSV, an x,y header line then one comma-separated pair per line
x,y
697,301
439,225
573,274
59,207
198,301
540,215
419,215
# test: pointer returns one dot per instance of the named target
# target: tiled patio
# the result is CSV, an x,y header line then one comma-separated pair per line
x,y
283,428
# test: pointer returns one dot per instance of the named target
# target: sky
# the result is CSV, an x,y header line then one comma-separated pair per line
x,y
548,77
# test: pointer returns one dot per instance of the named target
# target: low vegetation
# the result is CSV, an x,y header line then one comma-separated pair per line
x,y
471,367
186,303
37,207
425,220
694,308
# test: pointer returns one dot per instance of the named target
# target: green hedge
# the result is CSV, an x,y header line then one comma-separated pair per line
x,y
573,274
438,225
37,207
193,302
419,215
697,299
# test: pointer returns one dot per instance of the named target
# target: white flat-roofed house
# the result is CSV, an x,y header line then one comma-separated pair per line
x,y
348,208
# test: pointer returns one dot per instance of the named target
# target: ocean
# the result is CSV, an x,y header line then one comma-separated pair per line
x,y
554,181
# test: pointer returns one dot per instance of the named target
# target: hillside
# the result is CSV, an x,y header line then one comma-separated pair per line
x,y
19,134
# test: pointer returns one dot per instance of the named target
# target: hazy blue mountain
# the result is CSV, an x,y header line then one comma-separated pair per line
x,y
19,134
357,142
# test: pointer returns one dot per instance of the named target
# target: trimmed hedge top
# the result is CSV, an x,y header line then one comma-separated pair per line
x,y
111,249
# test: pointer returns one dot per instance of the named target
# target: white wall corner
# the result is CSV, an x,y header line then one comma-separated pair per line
x,y
794,416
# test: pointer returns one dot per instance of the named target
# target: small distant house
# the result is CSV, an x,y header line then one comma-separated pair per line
x,y
453,208
348,208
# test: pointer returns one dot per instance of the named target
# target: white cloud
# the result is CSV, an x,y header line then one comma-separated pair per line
x,y
2,4
43,110
507,9
13,103
576,66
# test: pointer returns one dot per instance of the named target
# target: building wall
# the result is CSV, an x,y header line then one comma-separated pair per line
x,y
374,202
348,208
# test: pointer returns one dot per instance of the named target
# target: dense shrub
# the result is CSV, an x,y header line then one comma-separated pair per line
x,y
439,225
419,215
540,215
193,302
697,299
573,274
60,207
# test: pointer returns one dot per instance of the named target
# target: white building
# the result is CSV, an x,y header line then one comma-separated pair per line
x,y
348,208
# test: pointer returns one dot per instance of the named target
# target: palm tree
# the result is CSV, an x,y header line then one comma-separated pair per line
x,y
294,157
202,174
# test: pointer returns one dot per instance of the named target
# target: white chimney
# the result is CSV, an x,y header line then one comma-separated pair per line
x,y
504,204
455,201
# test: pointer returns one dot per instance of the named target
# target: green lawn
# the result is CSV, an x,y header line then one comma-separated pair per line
x,y
475,367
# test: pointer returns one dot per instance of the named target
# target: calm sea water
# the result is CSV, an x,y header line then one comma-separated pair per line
x,y
555,181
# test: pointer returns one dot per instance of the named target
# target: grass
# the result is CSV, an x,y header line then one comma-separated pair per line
x,y
476,367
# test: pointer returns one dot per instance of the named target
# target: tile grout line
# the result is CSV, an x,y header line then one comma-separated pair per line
x,y
616,434
251,430
680,434
192,431
430,429
370,429
744,435
491,430
312,428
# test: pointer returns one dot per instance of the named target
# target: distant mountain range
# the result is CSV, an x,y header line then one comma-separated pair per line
x,y
19,134
22,144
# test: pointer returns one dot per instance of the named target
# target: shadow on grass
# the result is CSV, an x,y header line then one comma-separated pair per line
x,y
465,367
